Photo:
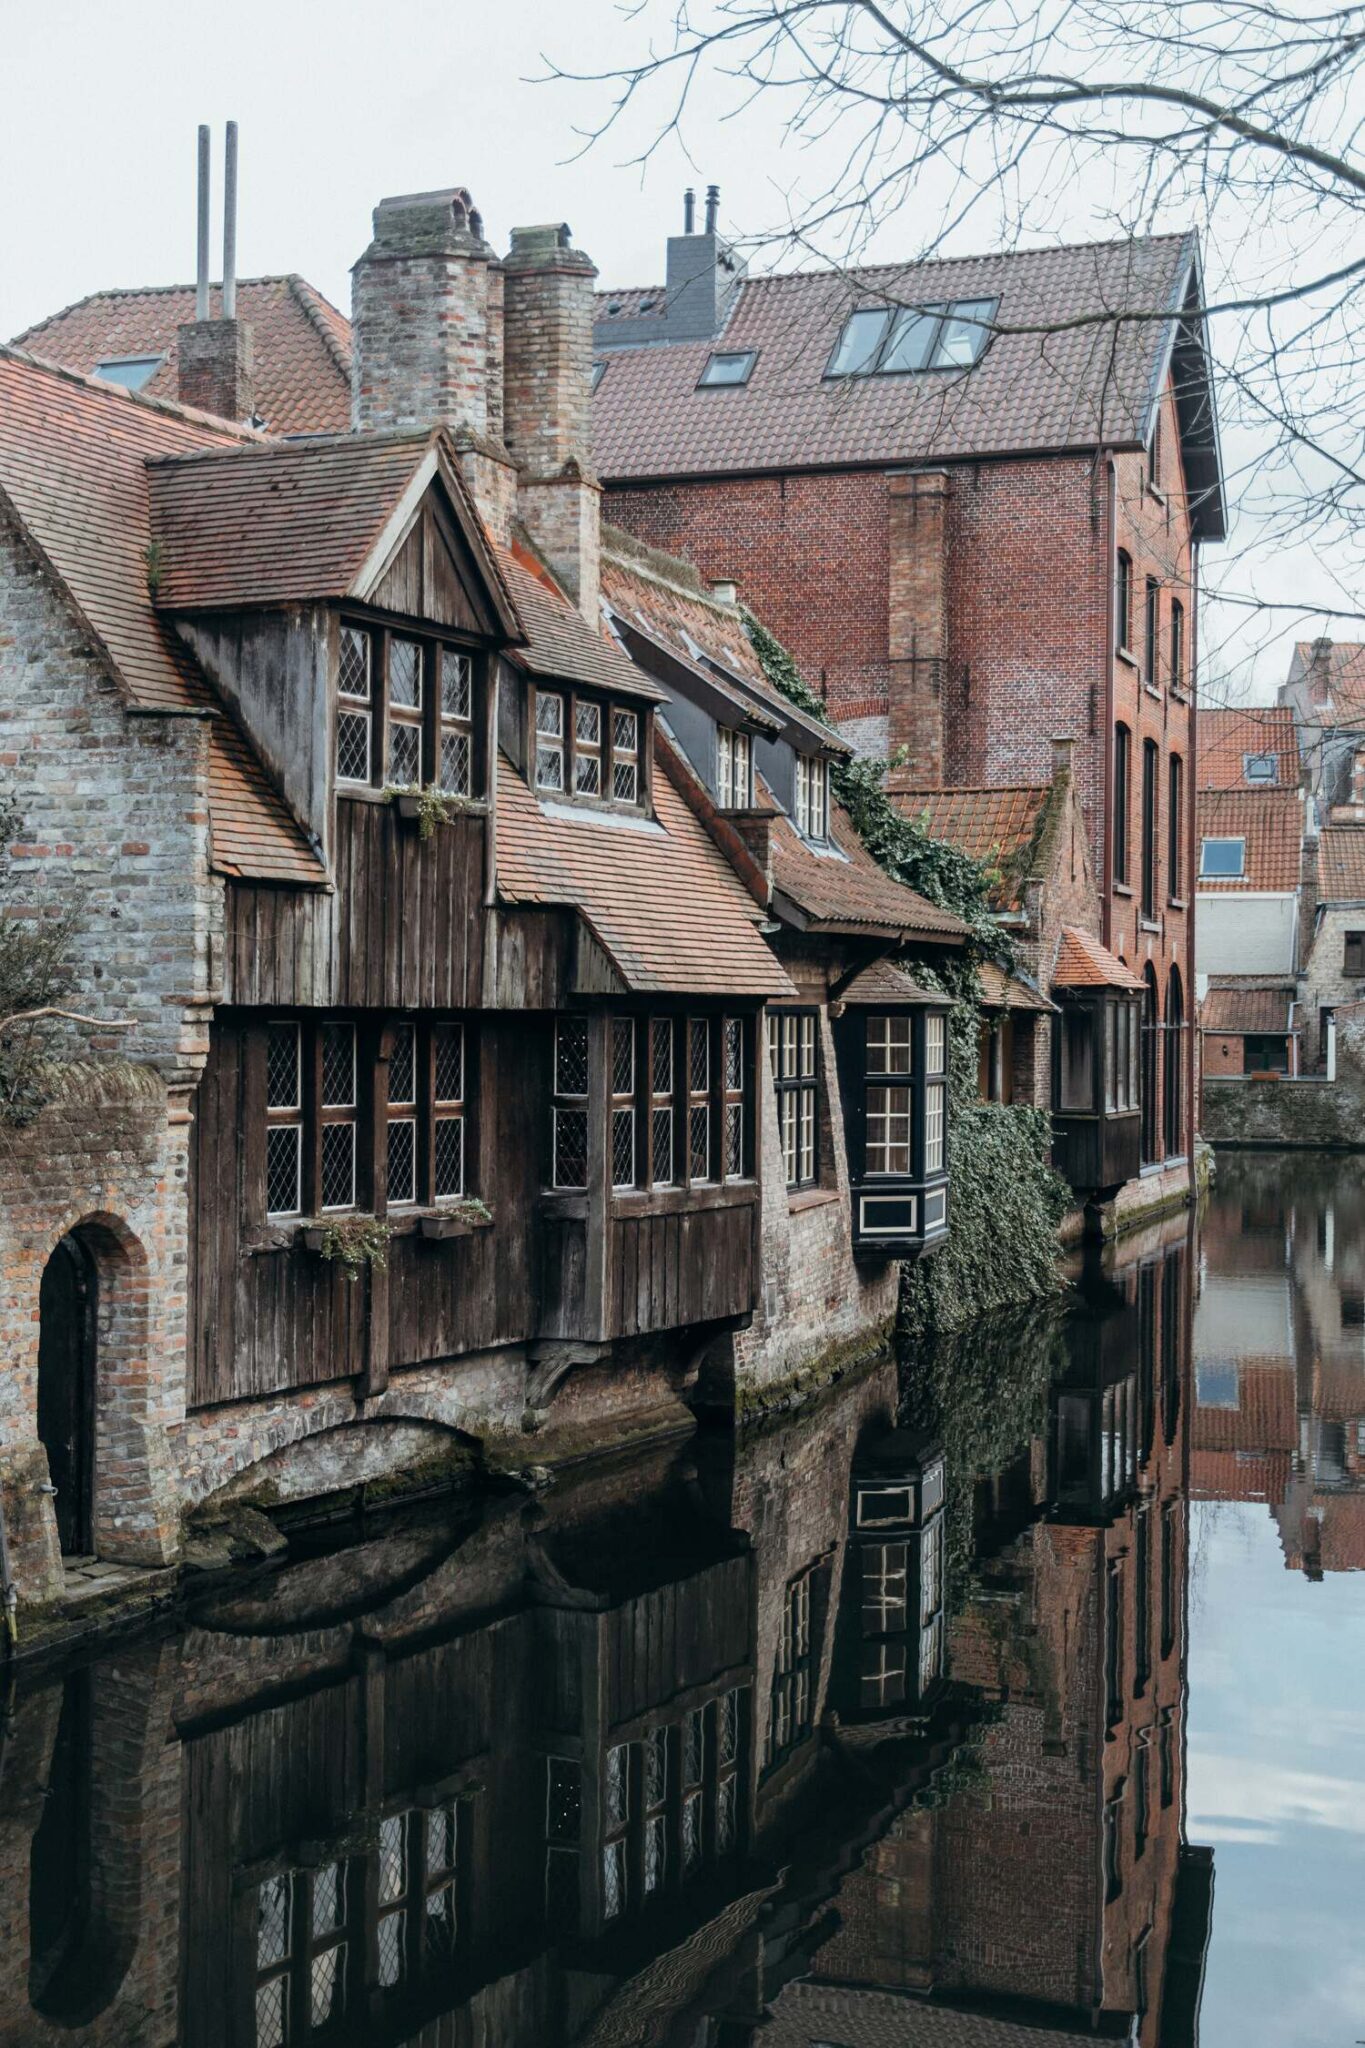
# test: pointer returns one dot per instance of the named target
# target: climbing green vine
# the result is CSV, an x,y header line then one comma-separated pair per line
x,y
1006,1200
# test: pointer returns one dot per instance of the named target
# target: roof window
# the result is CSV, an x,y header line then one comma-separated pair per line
x,y
727,367
1260,767
132,372
595,375
886,340
1223,859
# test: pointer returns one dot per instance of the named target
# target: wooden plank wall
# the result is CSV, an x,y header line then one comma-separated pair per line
x,y
680,1635
674,1269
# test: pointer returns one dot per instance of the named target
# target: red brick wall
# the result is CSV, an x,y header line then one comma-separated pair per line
x,y
1222,1055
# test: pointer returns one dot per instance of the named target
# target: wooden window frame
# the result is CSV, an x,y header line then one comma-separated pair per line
x,y
432,718
622,1120
570,746
797,1091
810,807
791,1699
1123,599
885,1079
569,1102
663,1104
734,769
700,1103
736,1065
295,1969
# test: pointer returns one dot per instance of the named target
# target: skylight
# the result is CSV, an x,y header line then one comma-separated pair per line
x,y
596,375
1260,767
1223,859
132,372
727,367
886,340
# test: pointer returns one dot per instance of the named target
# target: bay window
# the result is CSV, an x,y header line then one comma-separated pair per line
x,y
893,1078
676,1106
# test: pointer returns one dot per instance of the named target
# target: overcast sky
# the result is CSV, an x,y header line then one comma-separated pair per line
x,y
339,105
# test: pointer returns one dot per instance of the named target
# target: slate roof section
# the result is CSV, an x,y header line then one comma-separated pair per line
x,y
1082,962
665,905
1341,864
996,826
1255,1010
1227,737
301,344
1084,386
1270,821
73,456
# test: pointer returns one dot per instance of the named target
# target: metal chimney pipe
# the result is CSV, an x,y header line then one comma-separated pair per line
x,y
712,207
201,275
230,223
689,211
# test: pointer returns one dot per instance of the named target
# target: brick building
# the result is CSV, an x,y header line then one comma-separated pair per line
x,y
974,536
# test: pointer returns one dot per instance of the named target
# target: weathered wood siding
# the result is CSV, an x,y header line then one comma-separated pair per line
x,y
670,1269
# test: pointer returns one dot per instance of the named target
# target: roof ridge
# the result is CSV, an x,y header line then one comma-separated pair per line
x,y
145,291
973,788
293,444
307,296
120,394
647,564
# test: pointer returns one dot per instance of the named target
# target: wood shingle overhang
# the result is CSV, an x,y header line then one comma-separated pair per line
x,y
1001,991
883,985
1260,1011
1074,374
73,473
841,889
1270,823
1083,963
290,522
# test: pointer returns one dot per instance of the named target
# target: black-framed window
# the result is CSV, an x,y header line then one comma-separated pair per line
x,y
726,369
417,1892
1151,631
1175,797
812,796
404,712
1123,598
890,340
1123,747
305,1960
569,1114
1154,456
1177,644
734,769
662,1090
680,1100
588,747
733,1079
791,1703
1353,953
700,1135
794,1063
621,1053
1122,1056
1151,761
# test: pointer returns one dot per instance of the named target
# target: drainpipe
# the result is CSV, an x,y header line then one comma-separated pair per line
x,y
1107,699
7,1586
1192,1076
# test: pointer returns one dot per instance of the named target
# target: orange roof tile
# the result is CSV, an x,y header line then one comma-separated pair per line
x,y
1082,962
995,826
73,456
1257,1010
1271,823
884,983
1001,991
301,344
559,641
1345,681
1227,737
664,904
846,890
1341,864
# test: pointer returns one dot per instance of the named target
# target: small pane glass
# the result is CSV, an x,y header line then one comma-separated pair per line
x,y
282,1066
338,1166
402,1159
457,684
338,1066
449,1063
571,1056
405,674
274,1910
403,1065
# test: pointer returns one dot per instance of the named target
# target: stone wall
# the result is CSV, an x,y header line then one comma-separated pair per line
x,y
1325,983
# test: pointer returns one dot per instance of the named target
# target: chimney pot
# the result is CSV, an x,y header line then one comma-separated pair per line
x,y
689,211
712,207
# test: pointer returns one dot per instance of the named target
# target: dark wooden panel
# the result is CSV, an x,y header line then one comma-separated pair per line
x,y
678,1267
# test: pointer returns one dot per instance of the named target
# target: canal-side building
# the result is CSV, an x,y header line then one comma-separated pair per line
x,y
425,958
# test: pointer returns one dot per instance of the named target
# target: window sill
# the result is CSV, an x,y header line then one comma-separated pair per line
x,y
409,807
1150,690
802,1199
1122,888
730,1194
1126,655
309,1231
1177,902
1149,924
1155,491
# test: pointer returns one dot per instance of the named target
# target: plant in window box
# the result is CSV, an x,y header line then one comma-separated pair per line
x,y
352,1242
426,806
458,1219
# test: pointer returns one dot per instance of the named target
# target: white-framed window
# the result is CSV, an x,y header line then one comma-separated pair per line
x,y
355,706
888,1100
792,1058
935,1126
623,1102
812,796
625,755
734,770
549,740
570,1113
587,747
457,722
284,1119
405,713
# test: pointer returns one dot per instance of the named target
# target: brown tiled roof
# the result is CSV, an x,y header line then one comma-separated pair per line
x,y
852,894
73,456
1001,991
301,344
997,826
1082,962
1265,1418
1226,737
1085,386
1341,864
559,641
1345,681
664,904
1271,823
1257,1010
885,983
1240,1475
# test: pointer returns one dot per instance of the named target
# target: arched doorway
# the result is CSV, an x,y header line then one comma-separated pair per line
x,y
1151,1066
67,1306
1173,1076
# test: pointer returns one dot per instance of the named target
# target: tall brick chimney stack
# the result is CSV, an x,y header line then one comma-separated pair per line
x,y
1320,673
546,393
214,357
427,337
917,626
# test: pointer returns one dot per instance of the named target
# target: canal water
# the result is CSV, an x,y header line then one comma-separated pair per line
x,y
1012,1697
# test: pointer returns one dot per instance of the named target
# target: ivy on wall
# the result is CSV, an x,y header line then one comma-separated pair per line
x,y
1006,1201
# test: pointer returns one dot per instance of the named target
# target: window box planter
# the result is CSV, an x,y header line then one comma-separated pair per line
x,y
424,810
461,1221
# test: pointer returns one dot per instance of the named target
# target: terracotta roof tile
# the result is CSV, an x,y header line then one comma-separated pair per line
x,y
1345,681
1087,385
851,893
1341,864
1227,737
1001,991
883,983
559,641
1271,823
301,344
665,905
1082,962
73,463
1257,1010
996,826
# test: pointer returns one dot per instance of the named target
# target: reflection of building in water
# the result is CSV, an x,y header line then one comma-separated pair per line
x,y
666,1756
1279,1407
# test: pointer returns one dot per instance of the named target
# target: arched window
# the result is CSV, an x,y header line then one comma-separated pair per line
x,y
1123,598
1151,1041
1175,797
1174,1064
1177,644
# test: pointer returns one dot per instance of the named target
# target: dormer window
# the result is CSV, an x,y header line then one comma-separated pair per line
x,y
812,796
587,756
1260,768
886,340
734,770
549,740
625,756
131,372
405,712
727,368
587,747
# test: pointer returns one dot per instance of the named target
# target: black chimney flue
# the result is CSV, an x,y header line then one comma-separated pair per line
x,y
712,207
689,211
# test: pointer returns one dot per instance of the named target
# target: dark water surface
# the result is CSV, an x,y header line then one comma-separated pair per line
x,y
1015,1699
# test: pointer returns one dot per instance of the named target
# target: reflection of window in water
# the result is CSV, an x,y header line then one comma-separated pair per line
x,y
563,1832
301,1951
1352,1309
1217,1383
789,1719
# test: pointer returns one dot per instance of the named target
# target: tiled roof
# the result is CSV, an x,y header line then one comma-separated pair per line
x,y
993,825
1257,1010
1341,864
852,894
637,301
1001,991
1271,823
1085,386
664,904
73,456
1226,737
1345,681
885,983
559,641
1082,962
301,345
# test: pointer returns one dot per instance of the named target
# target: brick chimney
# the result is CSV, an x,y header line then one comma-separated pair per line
x,y
548,321
917,623
427,336
214,368
1062,751
1320,672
